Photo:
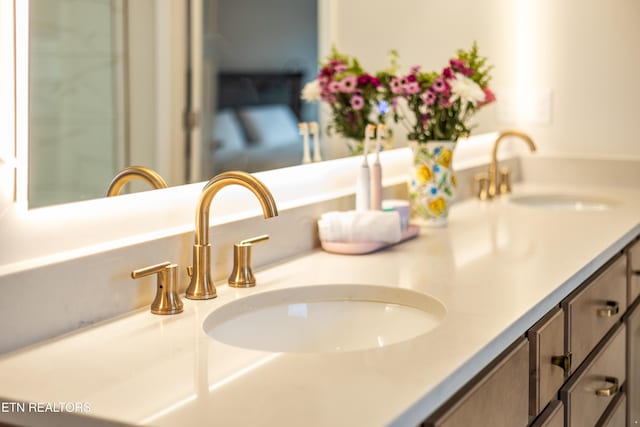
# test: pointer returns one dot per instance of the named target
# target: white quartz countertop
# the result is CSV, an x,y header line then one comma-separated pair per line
x,y
498,268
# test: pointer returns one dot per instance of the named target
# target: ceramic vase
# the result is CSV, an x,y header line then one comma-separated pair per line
x,y
355,146
432,182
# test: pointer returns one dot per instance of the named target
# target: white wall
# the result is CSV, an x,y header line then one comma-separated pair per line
x,y
586,52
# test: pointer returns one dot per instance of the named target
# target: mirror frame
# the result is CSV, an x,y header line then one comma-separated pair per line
x,y
8,158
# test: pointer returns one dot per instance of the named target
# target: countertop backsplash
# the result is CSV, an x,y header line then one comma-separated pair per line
x,y
54,299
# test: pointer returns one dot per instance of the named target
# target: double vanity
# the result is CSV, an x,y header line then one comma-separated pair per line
x,y
504,317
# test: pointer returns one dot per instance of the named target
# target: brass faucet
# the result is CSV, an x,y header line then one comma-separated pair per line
x,y
201,285
242,274
493,166
167,300
135,172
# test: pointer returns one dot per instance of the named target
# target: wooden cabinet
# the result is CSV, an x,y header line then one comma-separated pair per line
x,y
581,352
552,416
497,396
548,360
634,271
633,364
615,416
594,308
591,389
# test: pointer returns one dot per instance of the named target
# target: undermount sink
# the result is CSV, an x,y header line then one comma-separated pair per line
x,y
325,318
564,202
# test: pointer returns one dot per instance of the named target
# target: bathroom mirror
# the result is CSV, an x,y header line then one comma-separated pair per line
x,y
115,83
109,79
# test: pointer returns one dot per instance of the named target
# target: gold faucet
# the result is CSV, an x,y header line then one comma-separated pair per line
x,y
135,172
201,285
493,166
167,300
242,275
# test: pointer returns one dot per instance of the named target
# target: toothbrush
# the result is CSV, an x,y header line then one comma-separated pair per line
x,y
363,185
376,173
317,156
304,131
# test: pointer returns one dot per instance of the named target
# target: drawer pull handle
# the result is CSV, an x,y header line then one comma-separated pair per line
x,y
609,391
562,361
636,272
611,310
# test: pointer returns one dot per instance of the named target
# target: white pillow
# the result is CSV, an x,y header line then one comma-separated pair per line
x,y
227,131
270,125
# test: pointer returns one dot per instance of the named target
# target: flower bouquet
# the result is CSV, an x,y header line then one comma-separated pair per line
x,y
352,94
441,104
436,108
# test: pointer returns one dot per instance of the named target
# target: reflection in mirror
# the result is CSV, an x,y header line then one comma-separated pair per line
x,y
264,52
76,99
110,86
133,173
112,82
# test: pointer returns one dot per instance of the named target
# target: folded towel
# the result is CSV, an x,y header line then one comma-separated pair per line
x,y
360,226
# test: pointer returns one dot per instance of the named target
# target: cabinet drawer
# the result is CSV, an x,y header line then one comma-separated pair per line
x,y
633,364
592,388
634,272
496,397
595,308
547,360
552,416
616,414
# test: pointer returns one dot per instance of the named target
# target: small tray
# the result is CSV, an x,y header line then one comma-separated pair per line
x,y
361,248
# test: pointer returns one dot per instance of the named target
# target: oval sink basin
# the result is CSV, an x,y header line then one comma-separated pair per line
x,y
564,202
325,318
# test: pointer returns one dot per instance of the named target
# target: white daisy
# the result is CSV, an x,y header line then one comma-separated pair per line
x,y
462,87
311,91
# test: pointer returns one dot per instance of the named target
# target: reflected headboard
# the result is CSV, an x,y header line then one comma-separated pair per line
x,y
249,88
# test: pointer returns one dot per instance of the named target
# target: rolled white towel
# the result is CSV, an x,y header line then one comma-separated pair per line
x,y
360,226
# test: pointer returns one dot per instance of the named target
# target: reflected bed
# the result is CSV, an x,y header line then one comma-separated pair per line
x,y
255,126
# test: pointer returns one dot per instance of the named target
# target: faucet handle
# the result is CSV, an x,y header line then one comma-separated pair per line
x,y
167,300
242,276
505,181
482,180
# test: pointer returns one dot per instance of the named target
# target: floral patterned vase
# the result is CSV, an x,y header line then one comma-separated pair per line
x,y
432,182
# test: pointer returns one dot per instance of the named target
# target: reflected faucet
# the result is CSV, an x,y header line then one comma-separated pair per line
x,y
493,166
135,172
201,284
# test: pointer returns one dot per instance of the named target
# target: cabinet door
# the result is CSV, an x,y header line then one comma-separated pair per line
x,y
633,360
616,415
497,397
552,416
594,308
634,271
547,360
594,385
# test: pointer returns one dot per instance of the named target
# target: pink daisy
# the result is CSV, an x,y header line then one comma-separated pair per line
x,y
348,84
357,102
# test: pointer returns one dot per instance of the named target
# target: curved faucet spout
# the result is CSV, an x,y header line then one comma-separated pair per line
x,y
135,172
217,183
201,285
493,166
